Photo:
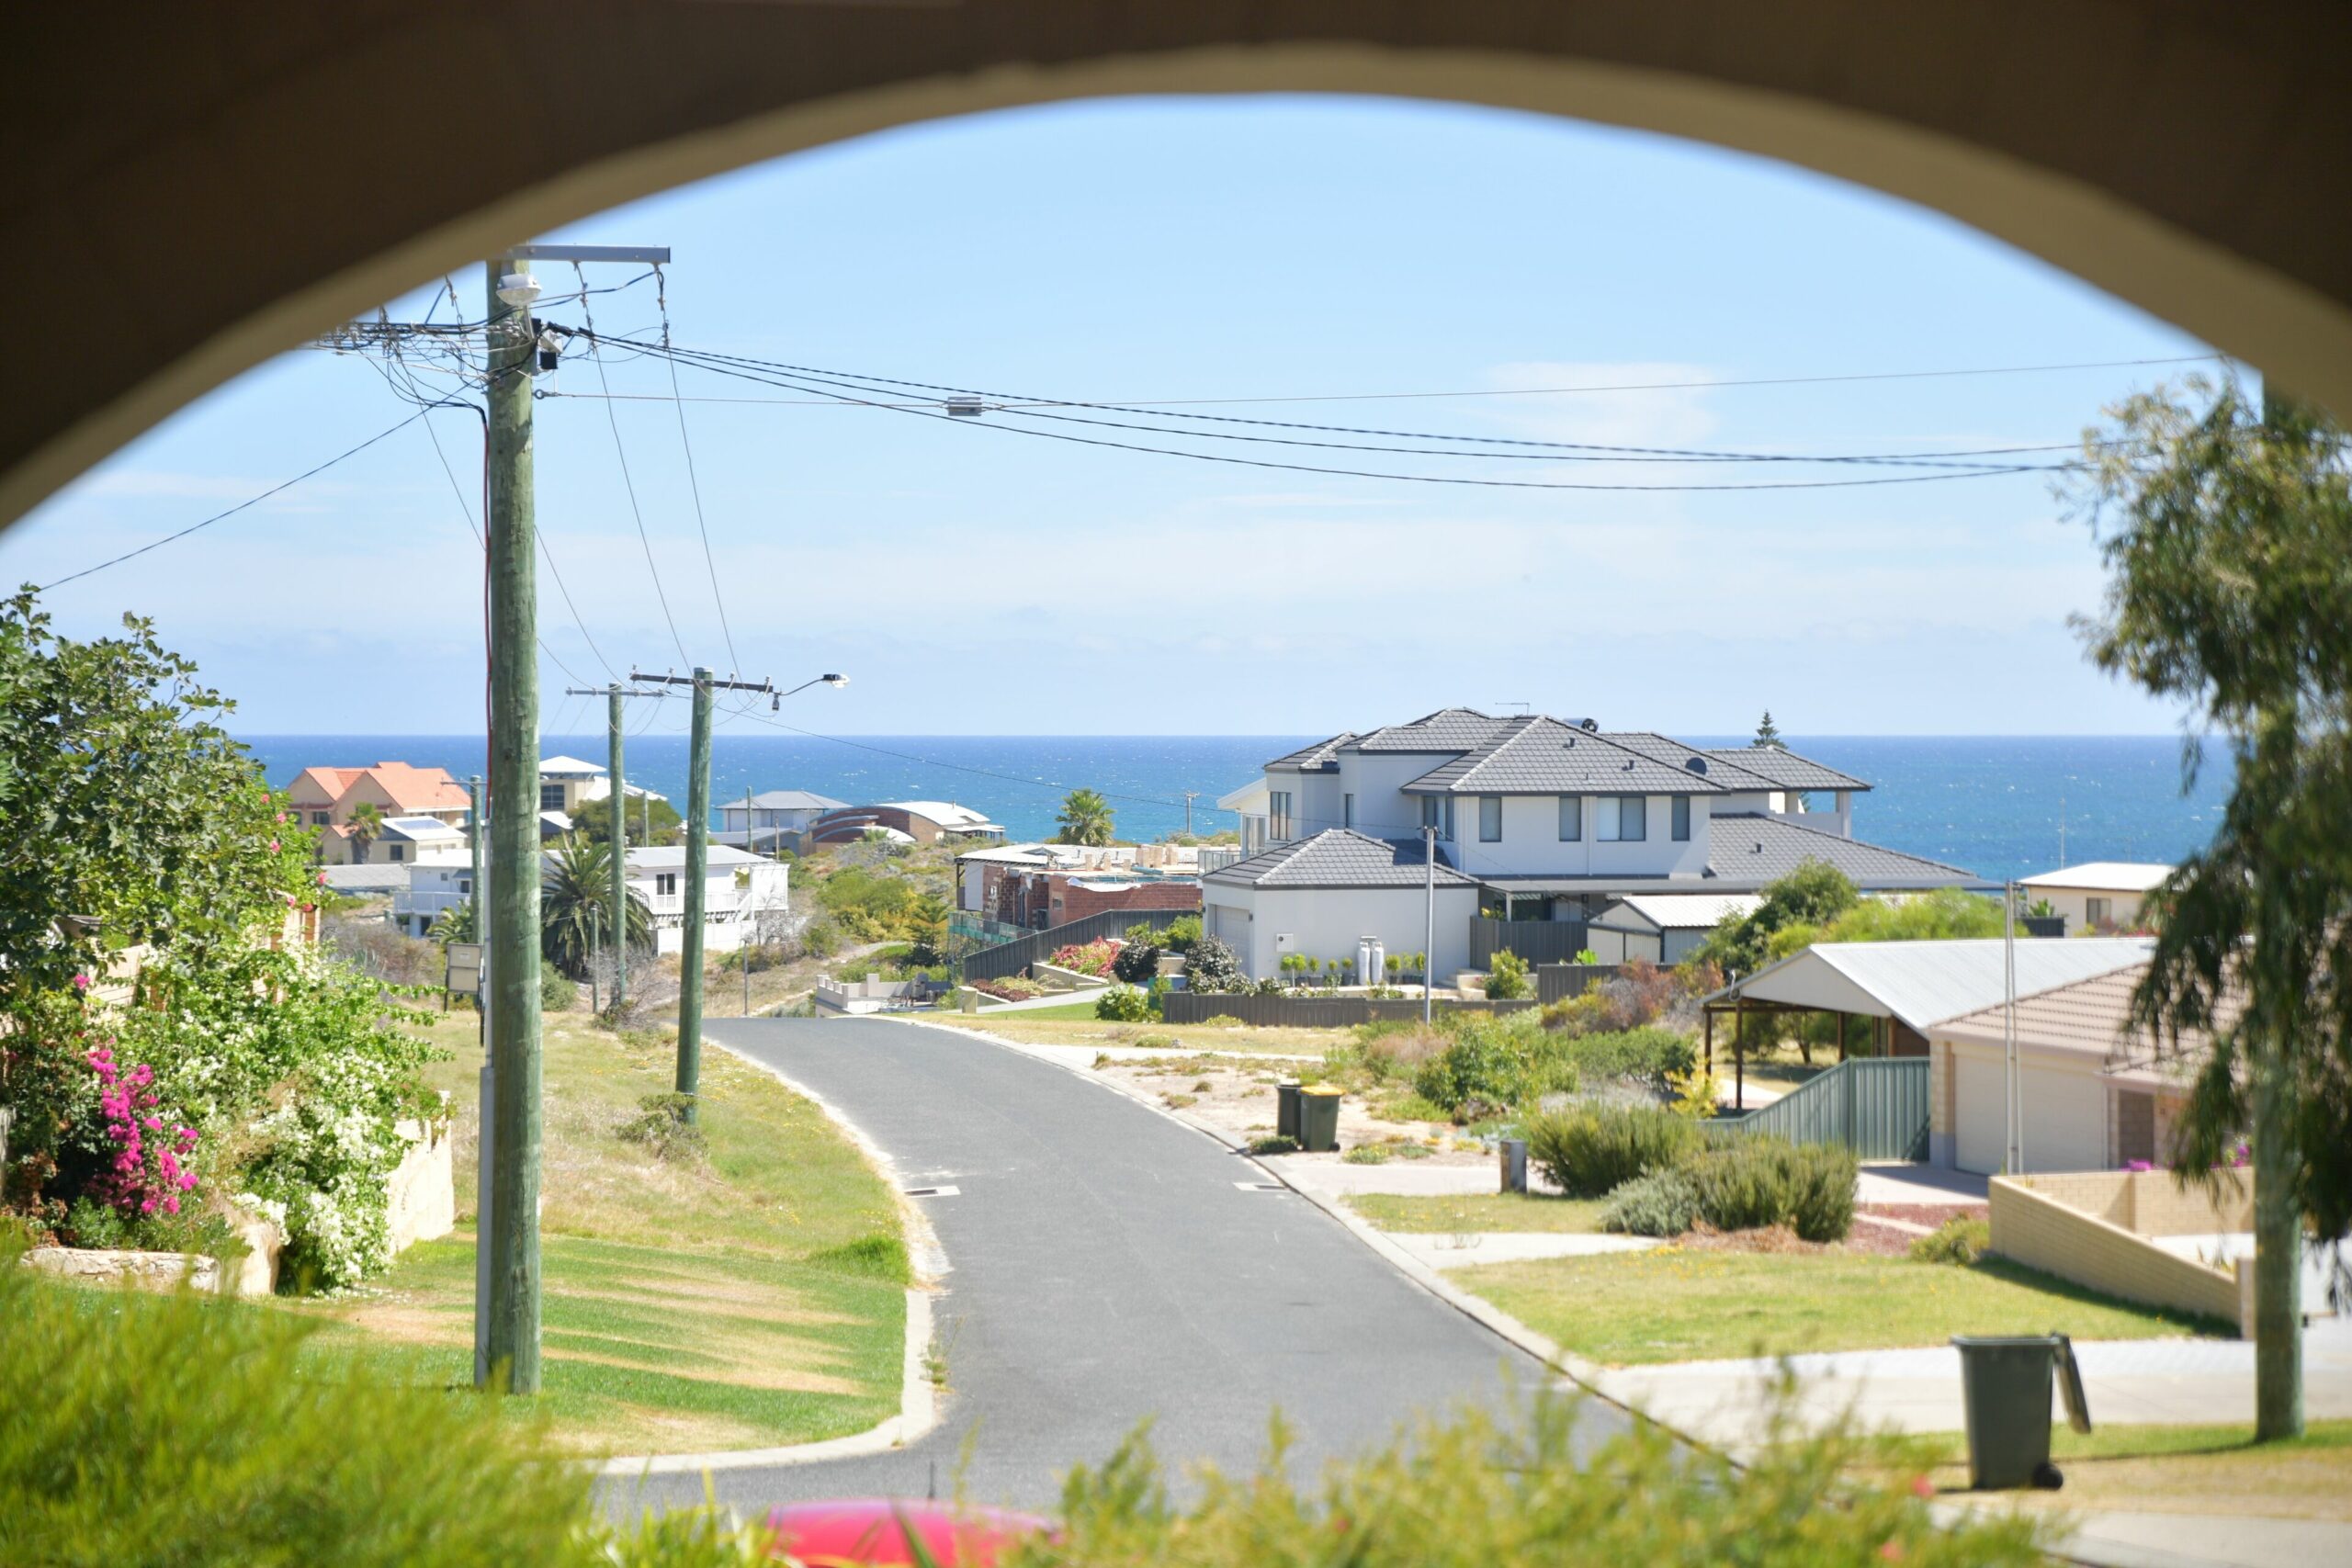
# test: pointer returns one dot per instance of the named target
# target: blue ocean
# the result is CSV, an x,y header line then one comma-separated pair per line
x,y
1998,806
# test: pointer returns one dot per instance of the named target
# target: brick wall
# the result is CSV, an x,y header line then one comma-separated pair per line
x,y
2037,1221
1066,901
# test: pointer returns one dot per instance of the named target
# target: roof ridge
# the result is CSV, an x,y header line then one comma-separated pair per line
x,y
1780,821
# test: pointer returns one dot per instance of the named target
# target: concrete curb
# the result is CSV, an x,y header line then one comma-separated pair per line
x,y
919,1400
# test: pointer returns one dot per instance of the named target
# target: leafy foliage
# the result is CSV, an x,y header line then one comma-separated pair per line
x,y
1961,1239
1658,1202
2228,532
1588,1151
1942,915
1123,1004
1212,966
594,819
1756,1181
1507,977
194,1431
1085,818
1815,894
1094,957
575,905
662,1127
1136,963
1768,733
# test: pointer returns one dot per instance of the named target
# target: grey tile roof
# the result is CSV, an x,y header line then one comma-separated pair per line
x,y
1448,730
1786,770
1321,757
1749,850
1339,858
789,800
1543,756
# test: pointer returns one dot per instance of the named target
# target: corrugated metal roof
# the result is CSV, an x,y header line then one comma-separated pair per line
x,y
1686,911
1927,983
790,800
1340,857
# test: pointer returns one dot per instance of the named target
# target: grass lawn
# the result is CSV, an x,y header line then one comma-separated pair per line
x,y
752,1297
2186,1470
1076,1025
1673,1304
1474,1213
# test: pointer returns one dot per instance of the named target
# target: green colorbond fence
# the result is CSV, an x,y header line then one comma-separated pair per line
x,y
1877,1107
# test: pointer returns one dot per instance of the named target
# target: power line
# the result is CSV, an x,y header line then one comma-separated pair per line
x,y
694,484
241,506
1988,472
1626,387
1023,406
596,354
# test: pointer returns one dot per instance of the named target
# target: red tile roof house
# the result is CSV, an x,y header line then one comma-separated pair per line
x,y
324,799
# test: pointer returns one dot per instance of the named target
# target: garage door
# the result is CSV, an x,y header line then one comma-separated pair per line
x,y
2066,1117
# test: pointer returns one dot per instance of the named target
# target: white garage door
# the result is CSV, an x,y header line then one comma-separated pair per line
x,y
2066,1117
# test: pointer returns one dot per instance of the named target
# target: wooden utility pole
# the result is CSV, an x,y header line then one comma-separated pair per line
x,y
619,913
690,957
512,939
507,1326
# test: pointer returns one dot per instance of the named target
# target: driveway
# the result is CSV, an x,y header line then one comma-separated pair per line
x,y
1109,1267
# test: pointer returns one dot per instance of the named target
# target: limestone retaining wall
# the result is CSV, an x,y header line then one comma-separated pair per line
x,y
2072,1227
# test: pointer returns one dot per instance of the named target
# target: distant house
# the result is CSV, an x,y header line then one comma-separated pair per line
x,y
1039,885
2096,1092
1551,821
922,821
1319,896
1661,927
747,898
773,819
431,889
567,782
410,841
2099,895
325,799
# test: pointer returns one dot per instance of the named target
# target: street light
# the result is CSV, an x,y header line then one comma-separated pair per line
x,y
775,703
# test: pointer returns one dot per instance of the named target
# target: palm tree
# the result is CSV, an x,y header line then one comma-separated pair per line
x,y
1085,818
573,914
366,825
454,923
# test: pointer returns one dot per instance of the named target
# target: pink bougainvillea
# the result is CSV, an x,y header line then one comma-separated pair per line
x,y
150,1169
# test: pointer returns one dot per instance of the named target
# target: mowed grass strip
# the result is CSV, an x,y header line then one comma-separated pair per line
x,y
752,1297
1076,1025
1673,1304
1478,1213
2216,1469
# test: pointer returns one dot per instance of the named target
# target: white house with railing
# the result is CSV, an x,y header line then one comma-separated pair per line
x,y
1549,818
432,889
746,898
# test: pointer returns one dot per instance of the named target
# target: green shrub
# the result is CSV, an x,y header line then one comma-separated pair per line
x,y
880,1255
1476,1065
1506,977
1123,1004
1274,1144
194,1431
1647,1056
1212,966
1529,1486
1754,1182
1222,1021
1366,1154
556,993
663,1127
1663,1202
1397,1051
1961,1240
1138,963
1181,934
1589,1151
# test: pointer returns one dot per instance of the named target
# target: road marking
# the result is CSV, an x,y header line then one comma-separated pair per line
x,y
934,1193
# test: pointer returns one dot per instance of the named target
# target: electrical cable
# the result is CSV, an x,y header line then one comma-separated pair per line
x,y
241,506
694,484
596,354
1381,474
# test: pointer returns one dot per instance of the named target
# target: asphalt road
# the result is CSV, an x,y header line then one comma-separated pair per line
x,y
1106,1270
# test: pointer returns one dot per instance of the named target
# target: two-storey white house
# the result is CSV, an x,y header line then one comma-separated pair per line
x,y
746,898
1538,819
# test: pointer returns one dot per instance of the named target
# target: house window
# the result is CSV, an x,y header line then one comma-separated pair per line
x,y
465,884
320,818
1437,811
551,797
1624,816
1571,819
1278,814
2099,911
1681,818
394,853
1490,818
1347,811
665,884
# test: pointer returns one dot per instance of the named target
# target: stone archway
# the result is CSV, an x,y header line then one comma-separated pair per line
x,y
194,188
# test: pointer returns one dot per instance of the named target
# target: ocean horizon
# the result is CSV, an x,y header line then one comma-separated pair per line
x,y
1996,805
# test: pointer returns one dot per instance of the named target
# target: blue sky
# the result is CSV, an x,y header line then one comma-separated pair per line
x,y
977,581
